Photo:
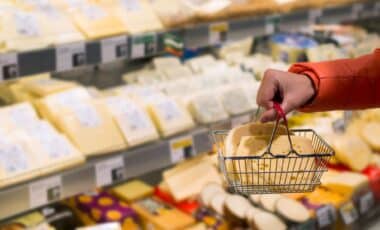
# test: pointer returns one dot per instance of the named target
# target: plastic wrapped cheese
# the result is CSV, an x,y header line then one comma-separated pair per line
x,y
134,122
235,101
86,122
18,116
56,150
137,15
197,63
44,87
207,108
93,19
166,62
169,117
173,12
22,30
17,162
176,72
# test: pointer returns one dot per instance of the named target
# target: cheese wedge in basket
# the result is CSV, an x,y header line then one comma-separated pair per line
x,y
252,140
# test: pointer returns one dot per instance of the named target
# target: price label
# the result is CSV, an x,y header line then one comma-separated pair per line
x,y
181,148
366,202
218,33
356,10
314,15
326,216
109,171
114,48
349,213
70,55
8,66
143,46
44,191
239,120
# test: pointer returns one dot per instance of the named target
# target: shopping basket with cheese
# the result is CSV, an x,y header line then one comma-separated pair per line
x,y
269,158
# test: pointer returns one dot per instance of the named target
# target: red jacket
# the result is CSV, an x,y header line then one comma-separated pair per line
x,y
344,84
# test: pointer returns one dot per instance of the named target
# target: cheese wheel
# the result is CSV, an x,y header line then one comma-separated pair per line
x,y
292,210
217,202
235,209
267,221
209,191
268,201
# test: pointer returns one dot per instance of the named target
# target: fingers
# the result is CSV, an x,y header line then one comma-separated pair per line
x,y
267,90
269,115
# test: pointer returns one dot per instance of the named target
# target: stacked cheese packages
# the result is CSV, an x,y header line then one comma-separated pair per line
x,y
30,146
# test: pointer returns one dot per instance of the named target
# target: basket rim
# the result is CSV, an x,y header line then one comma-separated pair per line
x,y
268,155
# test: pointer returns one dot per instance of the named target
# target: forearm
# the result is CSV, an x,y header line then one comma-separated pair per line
x,y
343,84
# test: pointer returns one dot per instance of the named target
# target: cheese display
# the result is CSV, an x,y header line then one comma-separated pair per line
x,y
83,121
92,19
137,15
133,121
168,116
207,108
198,63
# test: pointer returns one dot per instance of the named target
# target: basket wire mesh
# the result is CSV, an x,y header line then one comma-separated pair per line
x,y
273,173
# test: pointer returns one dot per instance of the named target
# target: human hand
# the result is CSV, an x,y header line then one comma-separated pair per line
x,y
289,89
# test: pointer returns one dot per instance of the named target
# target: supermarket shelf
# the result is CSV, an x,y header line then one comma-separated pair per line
x,y
69,56
99,171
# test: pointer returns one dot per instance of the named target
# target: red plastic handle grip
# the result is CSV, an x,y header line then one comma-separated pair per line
x,y
280,112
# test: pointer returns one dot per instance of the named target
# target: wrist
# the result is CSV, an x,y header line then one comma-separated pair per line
x,y
313,89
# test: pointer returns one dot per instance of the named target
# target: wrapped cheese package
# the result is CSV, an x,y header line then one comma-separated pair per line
x,y
196,64
133,121
86,122
235,101
207,108
173,13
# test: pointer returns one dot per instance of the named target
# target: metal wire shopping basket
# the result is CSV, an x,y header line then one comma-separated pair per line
x,y
270,173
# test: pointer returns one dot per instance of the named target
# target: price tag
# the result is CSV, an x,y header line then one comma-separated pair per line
x,y
217,33
8,66
314,15
356,10
326,216
366,202
239,120
109,171
45,191
181,148
143,46
113,48
349,213
70,55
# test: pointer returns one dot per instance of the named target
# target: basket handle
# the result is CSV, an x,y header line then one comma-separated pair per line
x,y
280,114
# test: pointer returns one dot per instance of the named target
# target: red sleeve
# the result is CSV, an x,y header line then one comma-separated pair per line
x,y
345,84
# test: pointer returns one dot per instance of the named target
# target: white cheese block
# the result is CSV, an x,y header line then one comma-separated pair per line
x,y
134,122
18,116
207,108
165,62
176,72
235,101
169,117
198,63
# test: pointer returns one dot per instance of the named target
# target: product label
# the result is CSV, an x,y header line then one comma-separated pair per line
x,y
218,33
86,114
23,116
45,191
8,66
13,158
131,5
70,55
142,46
181,148
113,48
168,109
326,215
109,171
93,12
366,202
26,24
349,213
154,207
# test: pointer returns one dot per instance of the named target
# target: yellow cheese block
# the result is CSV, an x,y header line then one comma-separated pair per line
x,y
370,133
169,117
199,175
19,162
323,196
134,123
133,190
19,94
44,87
56,150
345,183
93,19
352,151
137,15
